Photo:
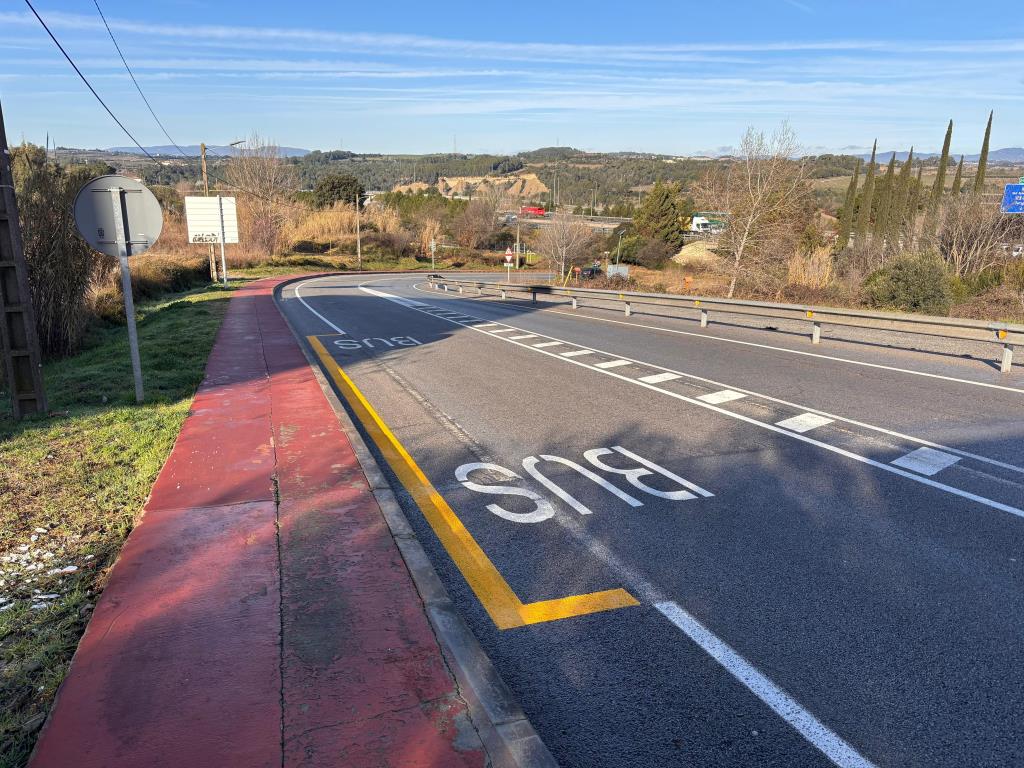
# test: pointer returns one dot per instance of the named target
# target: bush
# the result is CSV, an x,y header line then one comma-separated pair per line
x,y
654,254
911,283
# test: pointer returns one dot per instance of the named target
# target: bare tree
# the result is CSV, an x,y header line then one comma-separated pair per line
x,y
763,193
262,182
971,234
475,224
563,241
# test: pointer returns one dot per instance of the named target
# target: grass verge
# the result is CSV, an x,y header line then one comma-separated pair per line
x,y
71,486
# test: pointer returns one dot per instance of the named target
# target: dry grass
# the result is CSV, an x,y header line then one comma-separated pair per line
x,y
813,270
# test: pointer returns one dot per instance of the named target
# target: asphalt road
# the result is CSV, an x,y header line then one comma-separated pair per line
x,y
821,555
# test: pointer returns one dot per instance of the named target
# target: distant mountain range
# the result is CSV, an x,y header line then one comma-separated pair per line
x,y
1007,156
192,150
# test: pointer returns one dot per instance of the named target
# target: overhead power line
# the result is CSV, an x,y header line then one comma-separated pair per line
x,y
136,82
87,83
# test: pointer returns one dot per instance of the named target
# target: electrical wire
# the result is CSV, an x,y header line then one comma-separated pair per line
x,y
87,83
136,82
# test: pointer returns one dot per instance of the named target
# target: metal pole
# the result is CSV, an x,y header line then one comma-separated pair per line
x,y
223,236
117,201
206,192
517,242
359,240
433,250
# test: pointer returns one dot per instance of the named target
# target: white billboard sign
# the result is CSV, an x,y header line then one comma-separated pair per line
x,y
211,219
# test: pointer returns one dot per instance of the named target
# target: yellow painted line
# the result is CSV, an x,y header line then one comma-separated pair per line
x,y
487,583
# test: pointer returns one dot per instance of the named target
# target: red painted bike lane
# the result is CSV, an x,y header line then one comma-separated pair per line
x,y
260,614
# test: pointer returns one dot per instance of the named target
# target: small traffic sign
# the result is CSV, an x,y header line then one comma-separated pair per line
x,y
508,255
1013,199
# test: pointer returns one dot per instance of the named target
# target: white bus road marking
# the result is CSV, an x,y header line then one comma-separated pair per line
x,y
547,344
578,352
927,461
612,364
658,378
785,706
805,422
991,503
725,396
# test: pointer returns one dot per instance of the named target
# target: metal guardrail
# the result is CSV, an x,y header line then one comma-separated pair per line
x,y
1007,335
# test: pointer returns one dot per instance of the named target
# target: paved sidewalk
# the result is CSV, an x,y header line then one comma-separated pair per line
x,y
260,614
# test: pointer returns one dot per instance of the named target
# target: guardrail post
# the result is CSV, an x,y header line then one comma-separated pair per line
x,y
503,293
436,286
574,302
816,333
703,318
1007,362
460,289
533,296
629,310
446,287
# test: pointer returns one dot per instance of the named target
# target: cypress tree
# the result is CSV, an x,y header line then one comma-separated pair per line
x,y
846,219
940,177
866,197
885,200
979,179
660,215
901,203
958,178
915,202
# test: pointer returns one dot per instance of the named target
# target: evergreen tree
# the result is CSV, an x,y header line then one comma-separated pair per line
x,y
901,203
915,203
940,177
846,218
979,179
958,178
866,197
885,200
661,215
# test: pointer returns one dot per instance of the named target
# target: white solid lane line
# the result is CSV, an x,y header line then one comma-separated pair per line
x,y
298,295
725,396
578,352
926,461
658,378
548,344
805,422
612,364
784,705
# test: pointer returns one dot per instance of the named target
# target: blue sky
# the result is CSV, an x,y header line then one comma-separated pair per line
x,y
674,77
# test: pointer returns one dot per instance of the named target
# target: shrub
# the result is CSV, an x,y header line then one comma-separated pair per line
x,y
60,264
911,283
654,254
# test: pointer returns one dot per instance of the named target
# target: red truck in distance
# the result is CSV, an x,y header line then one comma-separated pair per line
x,y
527,210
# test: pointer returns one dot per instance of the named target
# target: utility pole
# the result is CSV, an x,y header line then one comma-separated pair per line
x,y
19,342
517,242
359,240
206,192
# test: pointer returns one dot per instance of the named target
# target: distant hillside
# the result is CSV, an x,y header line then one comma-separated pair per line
x,y
1006,156
192,150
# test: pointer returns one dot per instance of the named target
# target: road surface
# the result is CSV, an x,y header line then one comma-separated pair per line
x,y
687,547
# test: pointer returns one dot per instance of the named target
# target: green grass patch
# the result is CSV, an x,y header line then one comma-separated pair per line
x,y
72,485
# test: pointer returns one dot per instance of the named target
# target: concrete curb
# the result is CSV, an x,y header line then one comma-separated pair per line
x,y
507,734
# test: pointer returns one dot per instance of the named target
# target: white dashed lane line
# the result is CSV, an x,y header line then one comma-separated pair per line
x,y
805,422
927,461
713,400
612,364
548,344
525,336
659,378
725,396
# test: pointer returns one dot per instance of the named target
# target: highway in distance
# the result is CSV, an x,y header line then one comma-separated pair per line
x,y
701,547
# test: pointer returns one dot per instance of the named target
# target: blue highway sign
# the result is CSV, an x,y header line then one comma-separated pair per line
x,y
1013,199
